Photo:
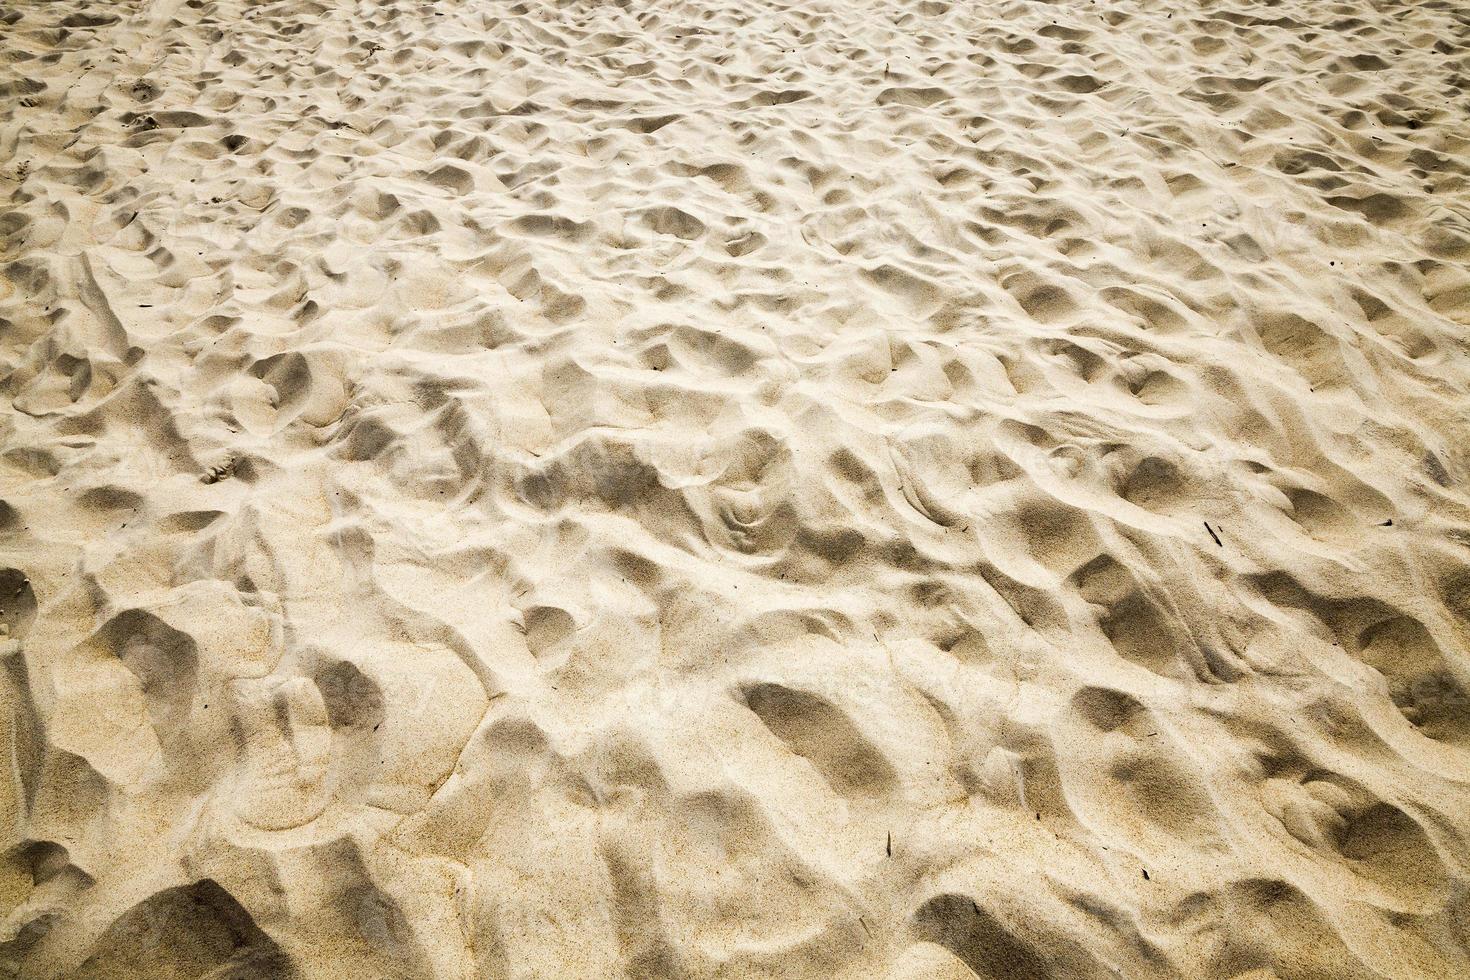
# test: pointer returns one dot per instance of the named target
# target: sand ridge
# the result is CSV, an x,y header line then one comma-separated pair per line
x,y
734,489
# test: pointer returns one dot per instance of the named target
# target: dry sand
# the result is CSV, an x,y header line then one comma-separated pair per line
x,y
734,489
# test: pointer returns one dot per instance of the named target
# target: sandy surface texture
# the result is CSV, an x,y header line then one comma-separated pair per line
x,y
719,488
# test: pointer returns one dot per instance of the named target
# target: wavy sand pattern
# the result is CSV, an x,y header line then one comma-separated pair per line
x,y
725,488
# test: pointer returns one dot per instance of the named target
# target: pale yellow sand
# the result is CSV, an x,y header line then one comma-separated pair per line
x,y
734,489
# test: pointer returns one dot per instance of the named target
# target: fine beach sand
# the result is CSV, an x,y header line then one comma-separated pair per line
x,y
732,488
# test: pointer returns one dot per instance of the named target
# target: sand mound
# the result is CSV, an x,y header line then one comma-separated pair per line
x,y
692,489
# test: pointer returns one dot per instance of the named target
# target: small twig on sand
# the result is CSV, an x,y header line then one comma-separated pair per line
x,y
1213,534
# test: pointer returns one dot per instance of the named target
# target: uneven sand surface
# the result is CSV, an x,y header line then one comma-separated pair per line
x,y
735,489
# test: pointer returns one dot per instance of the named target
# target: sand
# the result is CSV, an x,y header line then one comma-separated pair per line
x,y
734,489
